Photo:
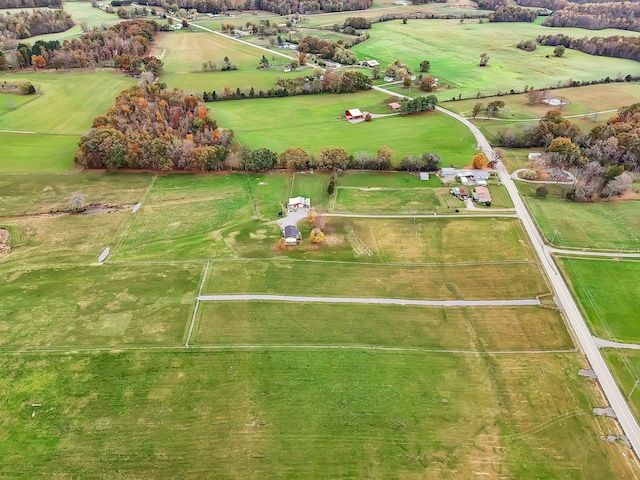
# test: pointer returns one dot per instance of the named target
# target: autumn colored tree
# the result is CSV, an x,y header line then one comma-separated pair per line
x,y
384,157
295,158
428,83
477,108
333,158
566,152
38,61
317,236
479,161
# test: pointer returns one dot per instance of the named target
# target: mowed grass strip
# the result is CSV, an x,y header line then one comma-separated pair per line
x,y
625,366
37,153
97,306
601,225
283,323
463,240
307,414
608,291
312,186
385,180
42,193
319,122
485,282
189,187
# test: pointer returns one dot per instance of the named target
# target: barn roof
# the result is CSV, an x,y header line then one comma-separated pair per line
x,y
355,112
483,194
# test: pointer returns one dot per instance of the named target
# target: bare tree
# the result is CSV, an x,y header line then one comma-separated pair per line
x,y
77,201
618,186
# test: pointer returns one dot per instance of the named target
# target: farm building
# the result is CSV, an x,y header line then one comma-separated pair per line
x,y
481,183
534,156
483,195
447,172
299,202
394,106
370,63
353,114
481,175
291,235
424,175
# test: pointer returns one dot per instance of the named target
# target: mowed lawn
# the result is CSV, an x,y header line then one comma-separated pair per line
x,y
312,122
184,53
437,282
608,291
282,323
103,306
303,414
625,366
65,102
453,48
601,225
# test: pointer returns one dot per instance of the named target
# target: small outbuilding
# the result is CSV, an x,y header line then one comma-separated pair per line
x,y
291,235
534,156
395,106
481,183
481,175
353,114
447,172
298,202
424,175
370,63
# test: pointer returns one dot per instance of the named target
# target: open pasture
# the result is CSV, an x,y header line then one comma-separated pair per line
x,y
282,323
64,103
308,414
35,193
601,225
37,153
317,121
384,180
184,53
448,241
501,281
453,48
608,291
403,201
625,367
102,306
585,100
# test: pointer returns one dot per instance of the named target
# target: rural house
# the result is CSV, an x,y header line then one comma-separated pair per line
x,y
370,63
291,235
482,195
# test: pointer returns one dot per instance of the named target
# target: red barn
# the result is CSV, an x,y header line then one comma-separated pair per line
x,y
353,114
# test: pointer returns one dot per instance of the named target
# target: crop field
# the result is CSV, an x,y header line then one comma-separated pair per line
x,y
319,122
601,225
447,47
608,291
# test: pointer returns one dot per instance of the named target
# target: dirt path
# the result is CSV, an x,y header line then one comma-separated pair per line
x,y
4,241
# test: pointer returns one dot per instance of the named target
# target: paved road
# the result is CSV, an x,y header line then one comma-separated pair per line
x,y
578,325
432,216
602,343
592,253
377,301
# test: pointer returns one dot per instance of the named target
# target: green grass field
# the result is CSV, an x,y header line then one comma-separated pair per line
x,y
608,291
311,414
454,48
391,326
601,225
438,282
625,366
37,153
318,122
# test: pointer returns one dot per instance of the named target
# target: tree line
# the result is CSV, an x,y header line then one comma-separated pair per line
x,y
30,3
513,14
25,24
597,16
337,51
125,45
150,127
202,6
613,46
288,7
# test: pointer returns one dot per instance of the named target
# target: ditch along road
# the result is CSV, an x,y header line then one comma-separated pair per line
x,y
577,322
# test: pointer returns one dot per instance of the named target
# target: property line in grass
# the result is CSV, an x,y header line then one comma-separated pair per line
x,y
421,215
191,348
368,300
312,260
130,221
195,309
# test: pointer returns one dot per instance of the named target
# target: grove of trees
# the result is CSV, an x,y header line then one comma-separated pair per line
x,y
288,7
513,14
150,127
30,3
25,24
613,46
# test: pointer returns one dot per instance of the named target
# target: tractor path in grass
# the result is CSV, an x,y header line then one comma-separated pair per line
x,y
594,253
434,216
377,301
